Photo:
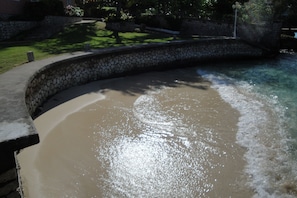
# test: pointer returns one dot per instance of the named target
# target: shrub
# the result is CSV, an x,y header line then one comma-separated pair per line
x,y
90,9
74,11
112,15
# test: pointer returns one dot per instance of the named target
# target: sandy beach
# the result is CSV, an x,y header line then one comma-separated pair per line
x,y
160,134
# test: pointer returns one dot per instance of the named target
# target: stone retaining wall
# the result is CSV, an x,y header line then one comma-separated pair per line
x,y
265,35
24,89
9,180
9,29
60,20
59,76
206,28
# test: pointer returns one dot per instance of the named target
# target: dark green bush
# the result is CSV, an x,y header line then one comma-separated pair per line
x,y
90,9
97,12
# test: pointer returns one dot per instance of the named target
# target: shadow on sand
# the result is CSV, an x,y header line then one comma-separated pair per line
x,y
130,85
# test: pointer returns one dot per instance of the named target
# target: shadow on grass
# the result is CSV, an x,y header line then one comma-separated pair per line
x,y
72,38
15,54
76,37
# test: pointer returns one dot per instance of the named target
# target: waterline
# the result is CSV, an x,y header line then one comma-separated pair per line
x,y
263,92
157,134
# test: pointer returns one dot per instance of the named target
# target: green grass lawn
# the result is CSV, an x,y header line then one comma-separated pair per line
x,y
11,56
72,38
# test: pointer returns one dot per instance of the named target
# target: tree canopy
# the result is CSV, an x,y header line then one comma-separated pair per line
x,y
253,11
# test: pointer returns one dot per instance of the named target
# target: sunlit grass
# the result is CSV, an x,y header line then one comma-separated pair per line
x,y
72,38
11,56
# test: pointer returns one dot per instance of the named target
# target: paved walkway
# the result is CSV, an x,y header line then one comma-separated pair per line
x,y
16,131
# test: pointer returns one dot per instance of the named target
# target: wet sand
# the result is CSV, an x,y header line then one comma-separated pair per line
x,y
161,134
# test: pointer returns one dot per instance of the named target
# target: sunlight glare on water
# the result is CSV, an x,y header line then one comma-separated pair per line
x,y
164,157
161,134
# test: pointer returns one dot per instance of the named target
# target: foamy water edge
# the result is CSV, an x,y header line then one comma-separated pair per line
x,y
270,169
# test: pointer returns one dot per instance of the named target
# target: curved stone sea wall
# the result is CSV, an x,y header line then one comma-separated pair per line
x,y
123,61
24,89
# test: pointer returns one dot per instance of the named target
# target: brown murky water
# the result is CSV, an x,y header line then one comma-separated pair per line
x,y
161,134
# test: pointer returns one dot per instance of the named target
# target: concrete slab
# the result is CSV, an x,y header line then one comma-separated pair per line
x,y
16,128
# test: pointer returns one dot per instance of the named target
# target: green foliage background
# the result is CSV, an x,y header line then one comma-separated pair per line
x,y
73,38
252,10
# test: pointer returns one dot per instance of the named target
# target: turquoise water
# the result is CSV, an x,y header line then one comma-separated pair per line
x,y
265,93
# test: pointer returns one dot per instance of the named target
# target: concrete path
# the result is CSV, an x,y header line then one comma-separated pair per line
x,y
16,128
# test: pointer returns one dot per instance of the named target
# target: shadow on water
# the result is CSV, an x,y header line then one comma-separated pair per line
x,y
130,85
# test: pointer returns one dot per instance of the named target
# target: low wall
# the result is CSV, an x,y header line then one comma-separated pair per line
x,y
9,29
206,28
265,35
56,77
24,89
60,20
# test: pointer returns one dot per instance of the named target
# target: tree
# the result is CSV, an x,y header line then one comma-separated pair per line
x,y
223,9
259,11
253,11
290,19
285,10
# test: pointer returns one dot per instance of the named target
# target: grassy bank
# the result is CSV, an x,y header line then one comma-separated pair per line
x,y
72,38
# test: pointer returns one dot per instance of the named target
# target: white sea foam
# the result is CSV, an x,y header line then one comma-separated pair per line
x,y
272,172
147,109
